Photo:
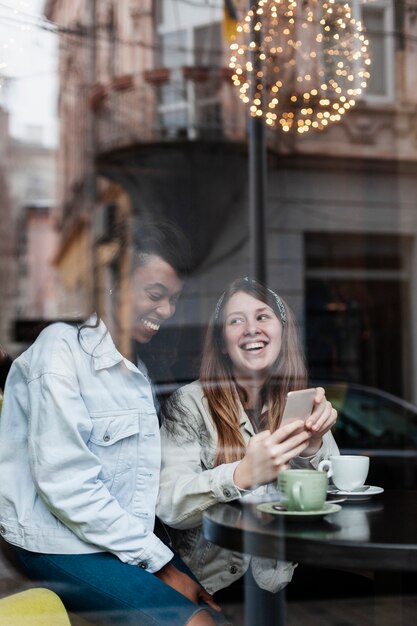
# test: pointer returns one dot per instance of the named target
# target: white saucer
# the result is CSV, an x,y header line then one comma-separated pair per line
x,y
335,498
363,493
272,507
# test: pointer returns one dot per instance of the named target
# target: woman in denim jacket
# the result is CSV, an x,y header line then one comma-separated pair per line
x,y
80,461
220,437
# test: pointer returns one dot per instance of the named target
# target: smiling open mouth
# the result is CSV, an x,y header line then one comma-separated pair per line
x,y
150,325
253,346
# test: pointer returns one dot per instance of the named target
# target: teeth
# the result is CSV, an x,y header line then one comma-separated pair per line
x,y
253,346
151,325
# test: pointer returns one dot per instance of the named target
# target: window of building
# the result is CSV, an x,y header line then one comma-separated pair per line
x,y
208,46
378,18
357,309
173,103
158,8
188,103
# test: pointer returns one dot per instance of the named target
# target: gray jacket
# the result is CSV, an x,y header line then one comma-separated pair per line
x,y
190,484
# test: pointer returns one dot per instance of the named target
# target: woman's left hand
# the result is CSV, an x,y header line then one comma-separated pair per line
x,y
320,421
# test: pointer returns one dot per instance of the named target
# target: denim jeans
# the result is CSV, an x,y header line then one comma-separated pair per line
x,y
109,592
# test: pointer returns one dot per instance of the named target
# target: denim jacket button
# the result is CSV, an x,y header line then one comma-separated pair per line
x,y
2,530
233,569
106,438
144,564
226,493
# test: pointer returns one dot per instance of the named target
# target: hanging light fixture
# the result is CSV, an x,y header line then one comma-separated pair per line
x,y
300,65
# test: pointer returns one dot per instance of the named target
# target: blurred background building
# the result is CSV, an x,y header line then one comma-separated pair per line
x,y
28,234
151,125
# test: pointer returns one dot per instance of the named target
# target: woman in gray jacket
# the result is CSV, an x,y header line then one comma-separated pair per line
x,y
221,437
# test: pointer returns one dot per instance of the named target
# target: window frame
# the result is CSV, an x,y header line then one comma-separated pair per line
x,y
191,103
388,45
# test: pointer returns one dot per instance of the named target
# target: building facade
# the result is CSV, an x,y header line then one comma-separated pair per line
x,y
151,125
27,238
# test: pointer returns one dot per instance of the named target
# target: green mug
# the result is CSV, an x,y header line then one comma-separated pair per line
x,y
304,490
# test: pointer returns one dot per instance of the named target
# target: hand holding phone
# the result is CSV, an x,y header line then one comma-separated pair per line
x,y
298,405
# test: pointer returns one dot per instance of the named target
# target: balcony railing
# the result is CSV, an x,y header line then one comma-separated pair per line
x,y
172,110
175,106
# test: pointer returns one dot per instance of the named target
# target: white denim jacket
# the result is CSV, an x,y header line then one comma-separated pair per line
x,y
190,484
80,450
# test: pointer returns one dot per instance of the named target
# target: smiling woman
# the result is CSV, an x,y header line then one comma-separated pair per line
x,y
252,337
156,287
160,261
220,437
79,485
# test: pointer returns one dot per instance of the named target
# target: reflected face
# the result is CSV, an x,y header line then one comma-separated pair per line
x,y
252,336
155,289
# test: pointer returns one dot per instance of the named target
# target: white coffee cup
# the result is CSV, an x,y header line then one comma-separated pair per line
x,y
348,472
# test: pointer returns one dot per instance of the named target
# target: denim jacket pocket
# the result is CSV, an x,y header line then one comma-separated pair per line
x,y
114,440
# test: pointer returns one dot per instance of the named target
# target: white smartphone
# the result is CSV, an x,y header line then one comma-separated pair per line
x,y
298,405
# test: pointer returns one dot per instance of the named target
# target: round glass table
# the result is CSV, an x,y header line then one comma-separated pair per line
x,y
378,534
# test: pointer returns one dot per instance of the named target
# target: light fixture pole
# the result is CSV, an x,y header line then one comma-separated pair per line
x,y
299,67
257,176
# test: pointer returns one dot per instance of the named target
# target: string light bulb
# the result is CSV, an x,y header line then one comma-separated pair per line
x,y
300,64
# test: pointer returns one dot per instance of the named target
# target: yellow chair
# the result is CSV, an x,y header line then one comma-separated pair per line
x,y
33,607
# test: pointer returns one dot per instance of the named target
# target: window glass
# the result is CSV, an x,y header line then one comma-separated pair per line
x,y
356,310
174,57
121,116
374,19
377,17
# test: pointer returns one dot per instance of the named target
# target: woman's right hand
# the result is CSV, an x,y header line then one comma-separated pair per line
x,y
189,588
268,453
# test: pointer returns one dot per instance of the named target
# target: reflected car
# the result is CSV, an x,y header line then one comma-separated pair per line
x,y
381,426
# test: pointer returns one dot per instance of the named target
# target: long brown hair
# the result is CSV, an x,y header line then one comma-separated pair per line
x,y
223,396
